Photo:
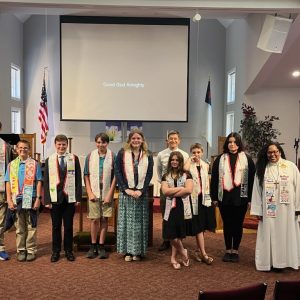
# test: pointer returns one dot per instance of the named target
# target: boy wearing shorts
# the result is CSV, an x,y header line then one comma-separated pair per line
x,y
100,184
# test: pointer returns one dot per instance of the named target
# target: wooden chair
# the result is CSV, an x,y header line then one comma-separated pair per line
x,y
287,290
255,291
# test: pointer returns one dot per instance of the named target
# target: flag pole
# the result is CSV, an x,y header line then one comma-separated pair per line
x,y
206,150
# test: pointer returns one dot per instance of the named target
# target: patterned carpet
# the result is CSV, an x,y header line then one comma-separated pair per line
x,y
114,278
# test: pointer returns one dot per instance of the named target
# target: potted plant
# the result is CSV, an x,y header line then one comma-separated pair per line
x,y
256,133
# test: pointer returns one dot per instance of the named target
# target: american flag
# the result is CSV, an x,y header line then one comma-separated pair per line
x,y
43,113
208,134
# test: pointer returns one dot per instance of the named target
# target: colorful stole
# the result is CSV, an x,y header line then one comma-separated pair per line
x,y
69,184
170,201
128,167
2,164
27,189
276,184
227,180
95,180
201,185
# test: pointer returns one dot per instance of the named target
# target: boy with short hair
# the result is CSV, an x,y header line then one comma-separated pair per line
x,y
63,189
23,190
100,184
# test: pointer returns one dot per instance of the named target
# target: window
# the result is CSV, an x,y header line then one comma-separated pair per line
x,y
231,86
229,122
15,120
15,82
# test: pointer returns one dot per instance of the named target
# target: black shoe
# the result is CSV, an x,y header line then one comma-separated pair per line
x,y
277,270
164,246
93,252
227,257
55,257
102,253
235,257
69,255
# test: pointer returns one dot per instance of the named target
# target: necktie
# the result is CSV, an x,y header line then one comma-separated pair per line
x,y
62,163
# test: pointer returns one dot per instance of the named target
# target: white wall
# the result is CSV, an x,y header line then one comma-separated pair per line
x,y
283,103
242,54
38,54
11,51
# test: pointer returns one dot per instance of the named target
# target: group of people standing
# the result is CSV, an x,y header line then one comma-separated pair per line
x,y
188,198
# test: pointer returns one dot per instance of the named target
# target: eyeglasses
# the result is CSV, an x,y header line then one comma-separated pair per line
x,y
273,152
23,148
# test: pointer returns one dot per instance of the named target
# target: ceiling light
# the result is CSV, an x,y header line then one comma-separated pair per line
x,y
296,73
196,17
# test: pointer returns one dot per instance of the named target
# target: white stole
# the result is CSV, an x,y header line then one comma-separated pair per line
x,y
129,169
186,201
2,164
227,180
69,184
200,188
108,166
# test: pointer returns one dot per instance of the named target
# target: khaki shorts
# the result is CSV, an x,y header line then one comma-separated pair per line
x,y
2,196
98,209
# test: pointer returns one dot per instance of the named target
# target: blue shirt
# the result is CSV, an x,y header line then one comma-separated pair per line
x,y
101,162
21,175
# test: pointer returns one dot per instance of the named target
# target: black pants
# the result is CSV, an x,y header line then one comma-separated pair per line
x,y
233,218
63,212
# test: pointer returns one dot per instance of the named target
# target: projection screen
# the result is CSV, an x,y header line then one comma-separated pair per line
x,y
124,69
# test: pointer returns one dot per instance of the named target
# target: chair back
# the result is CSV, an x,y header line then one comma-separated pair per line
x,y
287,290
255,291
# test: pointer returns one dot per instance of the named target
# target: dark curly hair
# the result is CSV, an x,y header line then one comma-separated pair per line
x,y
262,160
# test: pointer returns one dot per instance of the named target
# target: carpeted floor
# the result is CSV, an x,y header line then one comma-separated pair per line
x,y
113,278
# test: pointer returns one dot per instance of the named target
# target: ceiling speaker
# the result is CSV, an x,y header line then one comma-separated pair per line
x,y
274,33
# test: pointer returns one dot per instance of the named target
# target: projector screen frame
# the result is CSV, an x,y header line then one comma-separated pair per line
x,y
131,21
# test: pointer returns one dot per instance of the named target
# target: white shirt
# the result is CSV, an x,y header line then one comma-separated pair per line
x,y
162,161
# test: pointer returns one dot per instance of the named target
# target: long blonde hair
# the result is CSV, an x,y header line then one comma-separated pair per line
x,y
144,145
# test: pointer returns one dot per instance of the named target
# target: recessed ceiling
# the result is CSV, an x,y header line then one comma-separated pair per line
x,y
280,65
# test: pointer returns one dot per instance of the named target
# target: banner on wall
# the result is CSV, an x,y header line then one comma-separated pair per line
x,y
134,125
114,131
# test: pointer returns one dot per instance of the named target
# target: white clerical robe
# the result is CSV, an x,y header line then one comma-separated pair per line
x,y
278,238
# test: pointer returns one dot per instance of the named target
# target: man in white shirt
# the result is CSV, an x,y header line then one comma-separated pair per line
x,y
173,142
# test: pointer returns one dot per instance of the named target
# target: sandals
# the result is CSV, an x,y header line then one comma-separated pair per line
x,y
128,257
207,259
203,258
186,261
176,265
198,256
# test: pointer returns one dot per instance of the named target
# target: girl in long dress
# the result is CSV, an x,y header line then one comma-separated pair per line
x,y
177,186
133,171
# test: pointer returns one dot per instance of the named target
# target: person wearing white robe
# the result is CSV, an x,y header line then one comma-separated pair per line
x,y
276,203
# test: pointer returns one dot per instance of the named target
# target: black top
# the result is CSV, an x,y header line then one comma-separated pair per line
x,y
232,197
